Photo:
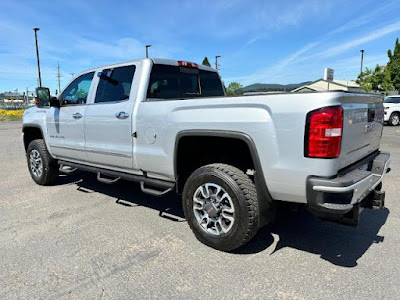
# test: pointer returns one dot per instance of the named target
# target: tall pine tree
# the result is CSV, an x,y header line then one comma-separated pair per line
x,y
206,62
394,66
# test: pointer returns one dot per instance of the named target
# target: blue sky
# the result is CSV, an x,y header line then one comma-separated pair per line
x,y
259,41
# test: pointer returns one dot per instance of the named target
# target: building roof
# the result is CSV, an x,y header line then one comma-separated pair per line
x,y
316,85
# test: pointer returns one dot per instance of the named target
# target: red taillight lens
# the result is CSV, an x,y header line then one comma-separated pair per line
x,y
324,132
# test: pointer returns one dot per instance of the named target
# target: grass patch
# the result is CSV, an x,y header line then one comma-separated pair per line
x,y
11,115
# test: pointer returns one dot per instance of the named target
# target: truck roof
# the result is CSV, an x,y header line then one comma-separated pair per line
x,y
162,61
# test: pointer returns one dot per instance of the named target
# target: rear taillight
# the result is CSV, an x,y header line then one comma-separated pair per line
x,y
323,136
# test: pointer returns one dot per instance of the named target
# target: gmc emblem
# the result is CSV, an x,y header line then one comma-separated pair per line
x,y
369,128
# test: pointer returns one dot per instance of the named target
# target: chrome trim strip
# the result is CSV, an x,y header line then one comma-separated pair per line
x,y
66,148
336,189
108,153
93,151
356,185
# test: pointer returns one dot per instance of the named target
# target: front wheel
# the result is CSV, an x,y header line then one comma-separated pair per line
x,y
394,119
221,207
43,169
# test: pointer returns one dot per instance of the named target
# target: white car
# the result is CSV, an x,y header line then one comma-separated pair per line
x,y
392,110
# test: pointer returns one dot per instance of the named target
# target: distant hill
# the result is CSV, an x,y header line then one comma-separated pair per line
x,y
271,87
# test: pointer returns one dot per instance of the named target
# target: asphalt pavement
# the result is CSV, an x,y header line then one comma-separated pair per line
x,y
82,239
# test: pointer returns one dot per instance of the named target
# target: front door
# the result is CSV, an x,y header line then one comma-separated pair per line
x,y
109,120
65,124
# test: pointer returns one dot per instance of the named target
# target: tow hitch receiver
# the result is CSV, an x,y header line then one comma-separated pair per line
x,y
375,200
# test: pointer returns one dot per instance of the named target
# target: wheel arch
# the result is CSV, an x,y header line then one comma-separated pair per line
x,y
259,179
31,132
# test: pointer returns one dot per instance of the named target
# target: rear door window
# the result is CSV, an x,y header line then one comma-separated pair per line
x,y
115,84
173,82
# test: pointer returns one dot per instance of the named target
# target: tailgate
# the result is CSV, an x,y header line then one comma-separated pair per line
x,y
362,126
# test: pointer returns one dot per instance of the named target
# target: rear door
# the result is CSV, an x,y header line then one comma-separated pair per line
x,y
65,124
362,127
109,130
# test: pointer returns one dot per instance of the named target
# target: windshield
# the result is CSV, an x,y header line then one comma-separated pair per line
x,y
392,100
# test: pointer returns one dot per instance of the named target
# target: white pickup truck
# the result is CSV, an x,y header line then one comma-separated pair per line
x,y
168,125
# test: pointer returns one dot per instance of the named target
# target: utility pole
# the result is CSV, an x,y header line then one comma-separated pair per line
x,y
216,62
147,50
362,59
58,76
37,56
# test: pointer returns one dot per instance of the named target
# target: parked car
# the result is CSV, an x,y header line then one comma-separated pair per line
x,y
392,110
168,125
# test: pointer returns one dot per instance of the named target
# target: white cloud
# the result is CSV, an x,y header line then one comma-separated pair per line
x,y
336,50
297,60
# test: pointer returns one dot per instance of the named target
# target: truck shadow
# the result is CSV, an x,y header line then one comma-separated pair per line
x,y
128,194
340,245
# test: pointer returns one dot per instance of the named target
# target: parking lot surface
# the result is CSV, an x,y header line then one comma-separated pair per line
x,y
83,239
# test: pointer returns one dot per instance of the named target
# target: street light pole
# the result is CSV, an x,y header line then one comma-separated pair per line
x,y
37,55
147,50
362,59
216,62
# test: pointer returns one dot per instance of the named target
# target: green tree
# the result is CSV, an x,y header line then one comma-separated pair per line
x,y
394,66
377,79
364,80
234,89
387,84
206,62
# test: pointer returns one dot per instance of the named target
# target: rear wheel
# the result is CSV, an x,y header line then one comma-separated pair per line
x,y
394,119
221,207
43,169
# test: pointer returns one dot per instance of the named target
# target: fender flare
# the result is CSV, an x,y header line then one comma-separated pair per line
x,y
261,185
24,126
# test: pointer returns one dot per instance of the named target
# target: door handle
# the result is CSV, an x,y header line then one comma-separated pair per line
x,y
122,115
77,115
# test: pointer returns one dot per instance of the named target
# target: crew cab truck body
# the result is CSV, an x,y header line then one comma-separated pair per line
x,y
168,125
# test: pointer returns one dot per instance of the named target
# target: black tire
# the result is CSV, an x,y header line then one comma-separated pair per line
x,y
243,194
394,119
50,168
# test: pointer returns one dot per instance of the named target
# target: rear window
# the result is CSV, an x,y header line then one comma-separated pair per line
x,y
172,82
392,100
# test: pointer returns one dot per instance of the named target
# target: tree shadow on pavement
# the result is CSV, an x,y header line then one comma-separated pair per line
x,y
341,245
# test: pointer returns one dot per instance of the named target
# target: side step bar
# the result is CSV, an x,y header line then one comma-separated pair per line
x,y
163,186
152,191
69,170
107,180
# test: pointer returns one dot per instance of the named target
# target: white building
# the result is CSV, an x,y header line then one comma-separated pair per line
x,y
334,85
